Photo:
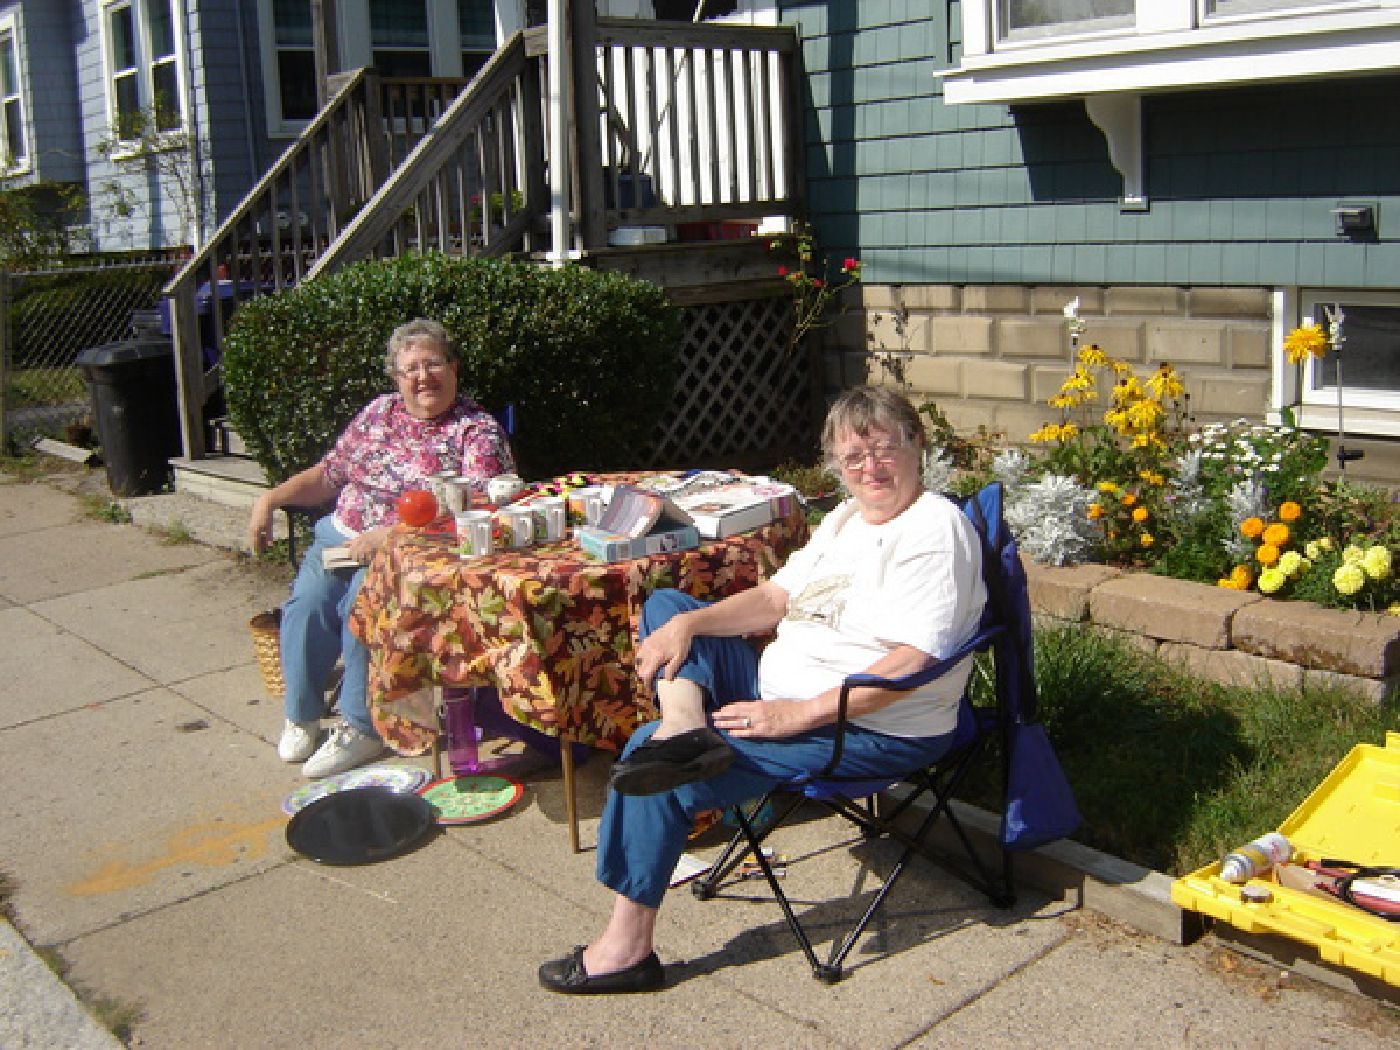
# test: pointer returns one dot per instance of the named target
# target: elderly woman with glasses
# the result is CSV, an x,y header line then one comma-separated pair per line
x,y
394,444
890,582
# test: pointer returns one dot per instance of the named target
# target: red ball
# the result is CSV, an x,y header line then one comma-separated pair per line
x,y
417,507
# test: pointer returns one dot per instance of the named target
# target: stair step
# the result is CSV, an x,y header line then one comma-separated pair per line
x,y
235,481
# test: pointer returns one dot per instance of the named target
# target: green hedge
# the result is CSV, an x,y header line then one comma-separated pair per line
x,y
589,358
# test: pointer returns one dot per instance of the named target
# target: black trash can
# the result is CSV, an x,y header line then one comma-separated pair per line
x,y
134,406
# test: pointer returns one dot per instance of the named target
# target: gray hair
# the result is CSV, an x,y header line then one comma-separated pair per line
x,y
419,329
865,408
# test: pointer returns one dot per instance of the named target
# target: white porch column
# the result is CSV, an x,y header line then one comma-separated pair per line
x,y
559,234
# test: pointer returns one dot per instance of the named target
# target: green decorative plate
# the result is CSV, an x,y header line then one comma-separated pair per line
x,y
469,799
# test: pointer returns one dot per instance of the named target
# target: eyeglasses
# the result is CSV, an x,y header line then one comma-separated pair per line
x,y
879,453
427,368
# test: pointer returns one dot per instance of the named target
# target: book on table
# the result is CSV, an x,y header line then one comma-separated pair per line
x,y
736,506
338,558
633,512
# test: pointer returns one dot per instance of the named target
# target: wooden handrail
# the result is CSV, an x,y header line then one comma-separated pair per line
x,y
488,90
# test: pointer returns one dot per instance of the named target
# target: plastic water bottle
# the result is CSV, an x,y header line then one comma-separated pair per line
x,y
1242,864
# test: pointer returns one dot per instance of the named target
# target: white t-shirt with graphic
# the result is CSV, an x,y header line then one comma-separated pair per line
x,y
856,591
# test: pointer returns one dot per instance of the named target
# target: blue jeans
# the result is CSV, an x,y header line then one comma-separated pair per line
x,y
642,836
316,630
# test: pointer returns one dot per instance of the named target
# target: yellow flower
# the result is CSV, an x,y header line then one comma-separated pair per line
x,y
1146,539
1326,543
1267,554
1151,477
1242,576
1290,563
1393,608
1376,563
1140,514
1165,383
1270,580
1107,486
1277,534
1093,356
1252,528
1348,579
1068,432
1353,555
1095,511
1129,499
1289,511
1306,341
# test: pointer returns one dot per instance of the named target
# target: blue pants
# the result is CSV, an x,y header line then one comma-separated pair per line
x,y
316,630
642,836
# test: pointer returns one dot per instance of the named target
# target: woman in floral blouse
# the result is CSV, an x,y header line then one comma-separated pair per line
x,y
395,444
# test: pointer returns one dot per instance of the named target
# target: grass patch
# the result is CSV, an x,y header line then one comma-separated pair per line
x,y
104,508
1171,771
47,386
176,533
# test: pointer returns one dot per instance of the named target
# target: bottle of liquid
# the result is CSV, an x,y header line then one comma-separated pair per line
x,y
1242,864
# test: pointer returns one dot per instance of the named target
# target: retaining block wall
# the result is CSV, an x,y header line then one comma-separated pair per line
x,y
1232,637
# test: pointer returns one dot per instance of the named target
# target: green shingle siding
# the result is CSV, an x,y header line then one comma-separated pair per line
x,y
1241,182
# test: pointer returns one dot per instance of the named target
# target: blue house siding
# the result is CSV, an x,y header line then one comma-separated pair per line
x,y
49,91
1241,182
228,99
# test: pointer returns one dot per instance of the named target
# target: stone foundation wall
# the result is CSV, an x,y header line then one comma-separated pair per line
x,y
991,355
1233,637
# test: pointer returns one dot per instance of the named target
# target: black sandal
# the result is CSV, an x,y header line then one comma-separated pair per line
x,y
660,765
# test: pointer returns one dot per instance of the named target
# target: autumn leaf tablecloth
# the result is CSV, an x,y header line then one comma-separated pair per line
x,y
549,627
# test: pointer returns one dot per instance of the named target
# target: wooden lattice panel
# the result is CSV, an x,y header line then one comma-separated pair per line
x,y
742,396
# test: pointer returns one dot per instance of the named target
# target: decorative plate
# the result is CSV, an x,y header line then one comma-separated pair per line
x,y
395,778
359,826
469,799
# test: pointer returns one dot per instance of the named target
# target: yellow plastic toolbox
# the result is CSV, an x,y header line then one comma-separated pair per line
x,y
1353,815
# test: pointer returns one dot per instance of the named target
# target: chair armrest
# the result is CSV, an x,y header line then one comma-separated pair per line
x,y
977,643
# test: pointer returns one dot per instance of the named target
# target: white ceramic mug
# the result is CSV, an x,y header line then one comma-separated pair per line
x,y
459,494
474,532
550,518
519,526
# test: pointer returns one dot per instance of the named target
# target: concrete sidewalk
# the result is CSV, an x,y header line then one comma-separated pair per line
x,y
143,836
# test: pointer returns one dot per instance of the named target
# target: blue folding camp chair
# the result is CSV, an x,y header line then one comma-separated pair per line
x,y
984,734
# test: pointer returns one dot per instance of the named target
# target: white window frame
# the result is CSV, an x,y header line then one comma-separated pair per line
x,y
143,71
356,49
1174,44
1366,411
10,31
278,126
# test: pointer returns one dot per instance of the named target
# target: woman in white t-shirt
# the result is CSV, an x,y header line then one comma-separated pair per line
x,y
890,582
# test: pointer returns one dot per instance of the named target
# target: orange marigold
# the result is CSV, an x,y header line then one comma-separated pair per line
x,y
1267,554
1140,514
1095,511
1277,534
1252,528
1290,511
1129,499
1241,576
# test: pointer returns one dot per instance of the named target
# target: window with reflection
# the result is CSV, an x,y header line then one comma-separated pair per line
x,y
15,145
1028,19
398,31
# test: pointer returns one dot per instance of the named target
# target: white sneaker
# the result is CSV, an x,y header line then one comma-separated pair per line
x,y
346,748
298,741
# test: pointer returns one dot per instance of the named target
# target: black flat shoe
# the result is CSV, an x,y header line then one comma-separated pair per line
x,y
568,977
660,765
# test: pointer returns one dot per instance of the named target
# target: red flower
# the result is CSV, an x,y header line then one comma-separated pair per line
x,y
817,282
849,265
782,271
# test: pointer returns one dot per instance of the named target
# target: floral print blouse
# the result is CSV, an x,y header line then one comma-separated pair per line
x,y
385,451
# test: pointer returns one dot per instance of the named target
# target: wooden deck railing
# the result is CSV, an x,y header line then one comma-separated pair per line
x,y
472,187
301,206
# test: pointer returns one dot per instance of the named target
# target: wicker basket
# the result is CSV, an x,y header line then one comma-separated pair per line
x,y
267,647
